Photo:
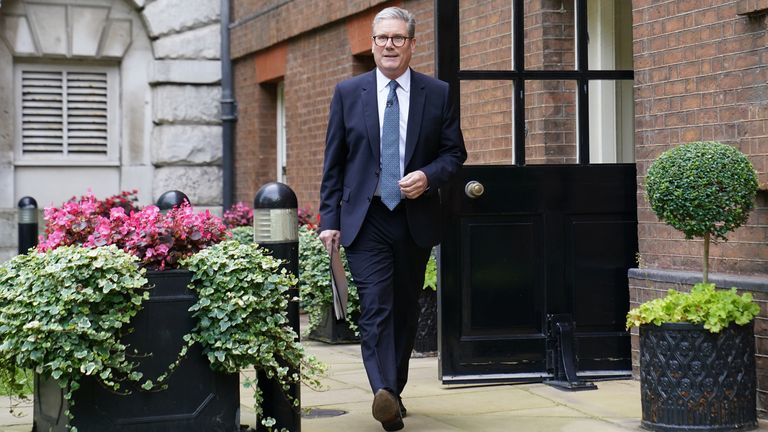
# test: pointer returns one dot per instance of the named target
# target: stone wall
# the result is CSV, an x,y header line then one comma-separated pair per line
x,y
167,54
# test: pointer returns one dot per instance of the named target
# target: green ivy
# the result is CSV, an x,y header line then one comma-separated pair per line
x,y
243,234
62,314
315,280
714,309
241,311
430,275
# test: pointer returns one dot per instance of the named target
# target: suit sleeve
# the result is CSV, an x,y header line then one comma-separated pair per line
x,y
333,166
451,150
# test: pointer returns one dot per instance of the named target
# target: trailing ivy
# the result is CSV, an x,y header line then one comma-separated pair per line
x,y
714,309
243,234
241,312
62,314
315,280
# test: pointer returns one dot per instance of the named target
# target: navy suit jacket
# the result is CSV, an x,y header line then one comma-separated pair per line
x,y
433,144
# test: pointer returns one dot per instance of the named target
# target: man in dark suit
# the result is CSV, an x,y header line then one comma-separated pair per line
x,y
393,140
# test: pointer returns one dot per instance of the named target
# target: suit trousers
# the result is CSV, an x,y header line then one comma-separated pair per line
x,y
388,269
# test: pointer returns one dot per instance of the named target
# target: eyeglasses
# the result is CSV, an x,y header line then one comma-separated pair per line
x,y
397,41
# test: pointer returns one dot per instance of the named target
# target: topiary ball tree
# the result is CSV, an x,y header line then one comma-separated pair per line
x,y
704,189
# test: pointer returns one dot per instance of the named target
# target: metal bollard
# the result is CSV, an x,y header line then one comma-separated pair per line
x,y
171,199
276,229
27,224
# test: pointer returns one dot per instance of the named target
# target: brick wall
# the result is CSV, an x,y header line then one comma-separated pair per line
x,y
316,61
550,106
486,106
700,74
255,134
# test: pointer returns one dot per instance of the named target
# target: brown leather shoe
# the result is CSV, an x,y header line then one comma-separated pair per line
x,y
386,409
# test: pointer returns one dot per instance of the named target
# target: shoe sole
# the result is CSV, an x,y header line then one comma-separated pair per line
x,y
386,410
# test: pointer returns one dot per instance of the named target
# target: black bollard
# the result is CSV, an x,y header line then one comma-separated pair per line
x,y
171,199
27,224
276,229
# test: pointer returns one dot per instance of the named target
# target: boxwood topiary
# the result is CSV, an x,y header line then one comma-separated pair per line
x,y
704,189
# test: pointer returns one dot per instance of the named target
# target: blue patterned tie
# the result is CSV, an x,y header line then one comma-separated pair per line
x,y
390,150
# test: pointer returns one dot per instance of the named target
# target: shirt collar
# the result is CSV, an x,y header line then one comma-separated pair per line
x,y
404,81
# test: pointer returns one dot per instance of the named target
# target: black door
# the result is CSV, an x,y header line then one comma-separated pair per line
x,y
540,240
542,223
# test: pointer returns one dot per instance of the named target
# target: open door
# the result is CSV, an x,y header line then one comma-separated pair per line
x,y
541,227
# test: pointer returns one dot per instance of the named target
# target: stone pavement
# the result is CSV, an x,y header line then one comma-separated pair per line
x,y
432,407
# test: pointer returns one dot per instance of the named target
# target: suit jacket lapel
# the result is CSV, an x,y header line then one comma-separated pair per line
x,y
371,113
415,114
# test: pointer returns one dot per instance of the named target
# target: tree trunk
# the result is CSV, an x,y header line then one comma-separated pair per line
x,y
706,258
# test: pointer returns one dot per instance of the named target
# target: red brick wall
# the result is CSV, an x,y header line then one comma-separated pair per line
x,y
486,106
316,61
550,106
700,74
255,134
266,23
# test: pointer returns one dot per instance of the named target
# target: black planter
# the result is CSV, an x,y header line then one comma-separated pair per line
x,y
197,399
691,379
333,331
426,334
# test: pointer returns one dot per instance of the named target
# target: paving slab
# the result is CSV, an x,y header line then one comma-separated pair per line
x,y
433,407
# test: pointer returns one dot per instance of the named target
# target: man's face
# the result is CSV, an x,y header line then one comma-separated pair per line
x,y
391,60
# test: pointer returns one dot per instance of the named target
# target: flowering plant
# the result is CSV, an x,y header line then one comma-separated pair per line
x,y
238,215
306,218
158,240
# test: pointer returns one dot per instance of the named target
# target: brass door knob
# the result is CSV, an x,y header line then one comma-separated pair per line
x,y
474,189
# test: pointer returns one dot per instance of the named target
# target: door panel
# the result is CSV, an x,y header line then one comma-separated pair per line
x,y
540,240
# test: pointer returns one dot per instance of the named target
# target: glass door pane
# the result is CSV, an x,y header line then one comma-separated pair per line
x,y
550,122
611,129
486,121
485,34
550,29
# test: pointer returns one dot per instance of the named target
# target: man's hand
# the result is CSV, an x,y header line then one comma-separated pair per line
x,y
414,184
330,239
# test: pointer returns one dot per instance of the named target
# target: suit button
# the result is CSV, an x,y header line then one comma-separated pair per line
x,y
377,172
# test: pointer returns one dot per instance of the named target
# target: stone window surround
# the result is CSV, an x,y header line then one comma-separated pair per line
x,y
111,158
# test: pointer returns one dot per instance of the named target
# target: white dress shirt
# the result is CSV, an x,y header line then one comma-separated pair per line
x,y
403,99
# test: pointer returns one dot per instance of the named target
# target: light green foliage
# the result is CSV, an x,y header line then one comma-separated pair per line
x,y
241,311
702,188
430,275
243,234
62,314
715,309
315,279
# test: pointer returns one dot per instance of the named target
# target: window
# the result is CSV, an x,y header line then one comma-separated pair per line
x,y
66,115
281,141
539,81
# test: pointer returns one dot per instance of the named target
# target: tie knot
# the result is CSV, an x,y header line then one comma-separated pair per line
x,y
393,85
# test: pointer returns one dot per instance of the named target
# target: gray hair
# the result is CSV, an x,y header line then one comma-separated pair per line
x,y
398,14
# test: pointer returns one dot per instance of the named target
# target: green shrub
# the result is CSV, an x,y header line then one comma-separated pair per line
x,y
243,234
715,309
704,189
242,317
315,280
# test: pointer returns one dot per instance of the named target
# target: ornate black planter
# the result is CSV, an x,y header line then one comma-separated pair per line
x,y
426,334
333,331
691,379
197,399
